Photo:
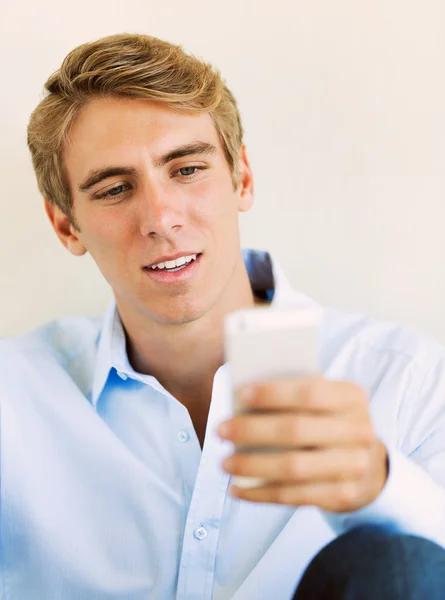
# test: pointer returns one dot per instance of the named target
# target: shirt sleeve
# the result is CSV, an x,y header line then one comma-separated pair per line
x,y
413,499
411,502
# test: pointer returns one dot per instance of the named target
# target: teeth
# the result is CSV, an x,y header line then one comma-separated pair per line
x,y
171,264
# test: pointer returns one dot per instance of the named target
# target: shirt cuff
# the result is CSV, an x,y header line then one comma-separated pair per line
x,y
411,502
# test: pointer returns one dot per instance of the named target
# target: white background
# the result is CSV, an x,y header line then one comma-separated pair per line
x,y
343,104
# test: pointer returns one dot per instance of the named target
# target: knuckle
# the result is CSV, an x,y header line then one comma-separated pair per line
x,y
294,428
244,428
282,495
361,463
294,467
367,434
346,494
313,390
261,395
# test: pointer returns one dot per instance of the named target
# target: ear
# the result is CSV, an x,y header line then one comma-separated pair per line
x,y
65,230
245,186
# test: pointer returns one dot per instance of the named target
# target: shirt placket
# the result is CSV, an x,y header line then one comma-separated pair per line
x,y
201,533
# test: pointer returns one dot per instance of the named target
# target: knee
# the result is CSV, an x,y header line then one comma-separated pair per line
x,y
375,562
372,548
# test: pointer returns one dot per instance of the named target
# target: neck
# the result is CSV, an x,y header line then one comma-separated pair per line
x,y
164,350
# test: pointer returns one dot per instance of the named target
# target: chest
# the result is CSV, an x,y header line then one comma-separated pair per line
x,y
119,506
119,502
199,418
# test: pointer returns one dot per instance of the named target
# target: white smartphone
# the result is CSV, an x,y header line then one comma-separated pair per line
x,y
268,343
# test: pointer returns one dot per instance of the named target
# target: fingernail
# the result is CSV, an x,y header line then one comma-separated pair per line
x,y
234,491
247,395
227,464
223,430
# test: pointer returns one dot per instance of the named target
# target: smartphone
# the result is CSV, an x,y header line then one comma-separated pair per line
x,y
265,343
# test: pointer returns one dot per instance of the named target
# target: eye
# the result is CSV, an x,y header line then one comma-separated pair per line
x,y
115,192
189,172
186,171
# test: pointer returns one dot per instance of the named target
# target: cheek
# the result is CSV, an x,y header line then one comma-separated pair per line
x,y
108,233
214,202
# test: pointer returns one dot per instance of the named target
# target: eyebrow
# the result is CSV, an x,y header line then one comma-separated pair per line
x,y
201,148
98,175
195,148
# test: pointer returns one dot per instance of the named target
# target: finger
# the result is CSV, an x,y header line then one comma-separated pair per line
x,y
305,466
296,430
312,395
334,497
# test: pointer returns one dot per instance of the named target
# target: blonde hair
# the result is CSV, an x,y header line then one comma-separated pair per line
x,y
130,65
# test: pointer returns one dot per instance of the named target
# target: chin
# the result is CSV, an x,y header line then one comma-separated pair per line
x,y
179,315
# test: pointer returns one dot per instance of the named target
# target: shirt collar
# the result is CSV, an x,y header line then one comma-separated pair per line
x,y
266,276
109,337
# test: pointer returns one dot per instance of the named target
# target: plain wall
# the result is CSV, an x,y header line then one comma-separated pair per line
x,y
344,110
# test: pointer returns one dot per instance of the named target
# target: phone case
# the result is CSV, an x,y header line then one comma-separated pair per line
x,y
265,343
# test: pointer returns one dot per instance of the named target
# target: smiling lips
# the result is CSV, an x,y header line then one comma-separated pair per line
x,y
174,264
174,270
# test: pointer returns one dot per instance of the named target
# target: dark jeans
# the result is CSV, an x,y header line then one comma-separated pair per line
x,y
370,562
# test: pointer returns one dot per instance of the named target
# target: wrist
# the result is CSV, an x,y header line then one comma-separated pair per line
x,y
379,471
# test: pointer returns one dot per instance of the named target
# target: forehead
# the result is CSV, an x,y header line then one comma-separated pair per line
x,y
112,129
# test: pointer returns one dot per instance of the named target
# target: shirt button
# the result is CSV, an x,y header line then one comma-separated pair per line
x,y
183,436
200,533
122,375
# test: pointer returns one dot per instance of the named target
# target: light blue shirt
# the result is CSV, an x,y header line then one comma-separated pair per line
x,y
106,494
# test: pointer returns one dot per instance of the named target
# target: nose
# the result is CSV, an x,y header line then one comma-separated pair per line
x,y
162,211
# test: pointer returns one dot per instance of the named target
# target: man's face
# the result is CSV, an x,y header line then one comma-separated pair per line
x,y
150,184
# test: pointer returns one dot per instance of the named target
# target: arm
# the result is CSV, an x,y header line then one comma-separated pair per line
x,y
413,499
334,458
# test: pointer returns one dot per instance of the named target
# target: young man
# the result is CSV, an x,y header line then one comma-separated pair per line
x,y
115,474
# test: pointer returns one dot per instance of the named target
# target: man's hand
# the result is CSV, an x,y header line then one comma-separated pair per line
x,y
327,452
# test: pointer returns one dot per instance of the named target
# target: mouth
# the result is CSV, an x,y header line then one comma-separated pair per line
x,y
166,272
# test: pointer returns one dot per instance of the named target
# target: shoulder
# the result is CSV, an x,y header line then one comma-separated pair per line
x,y
360,335
68,344
380,355
63,338
403,372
